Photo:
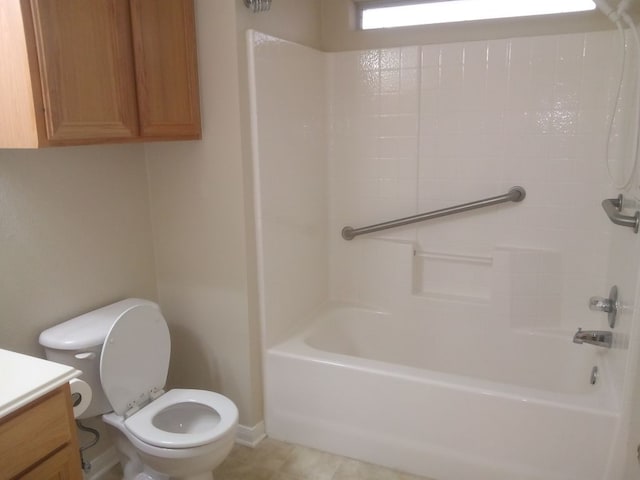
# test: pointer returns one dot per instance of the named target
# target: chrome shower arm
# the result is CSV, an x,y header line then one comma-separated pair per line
x,y
258,5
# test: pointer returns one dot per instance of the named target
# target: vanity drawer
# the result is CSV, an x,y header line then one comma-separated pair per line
x,y
35,432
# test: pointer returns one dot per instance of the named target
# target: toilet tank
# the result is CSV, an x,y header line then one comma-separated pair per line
x,y
78,343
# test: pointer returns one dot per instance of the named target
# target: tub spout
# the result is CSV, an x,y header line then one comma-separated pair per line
x,y
599,338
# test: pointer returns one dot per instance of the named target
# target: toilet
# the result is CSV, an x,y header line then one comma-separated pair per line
x,y
123,350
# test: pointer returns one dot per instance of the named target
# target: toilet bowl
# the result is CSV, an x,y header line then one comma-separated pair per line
x,y
183,434
186,436
183,419
180,434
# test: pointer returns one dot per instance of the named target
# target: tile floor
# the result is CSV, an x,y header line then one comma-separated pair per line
x,y
274,460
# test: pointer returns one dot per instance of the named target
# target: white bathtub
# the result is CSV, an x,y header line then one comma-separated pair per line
x,y
443,400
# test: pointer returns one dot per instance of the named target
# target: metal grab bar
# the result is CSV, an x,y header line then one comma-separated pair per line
x,y
613,207
515,194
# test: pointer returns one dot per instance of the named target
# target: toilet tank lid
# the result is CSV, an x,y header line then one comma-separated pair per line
x,y
90,329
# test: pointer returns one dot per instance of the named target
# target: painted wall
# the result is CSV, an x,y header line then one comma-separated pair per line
x,y
294,20
197,211
76,229
75,235
202,212
76,224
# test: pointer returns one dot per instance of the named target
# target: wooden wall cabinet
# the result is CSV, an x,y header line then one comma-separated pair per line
x,y
39,441
78,72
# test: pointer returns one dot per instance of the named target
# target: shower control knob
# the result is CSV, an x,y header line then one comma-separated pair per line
x,y
600,304
607,305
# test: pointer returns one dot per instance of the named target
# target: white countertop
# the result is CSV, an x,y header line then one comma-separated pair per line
x,y
24,378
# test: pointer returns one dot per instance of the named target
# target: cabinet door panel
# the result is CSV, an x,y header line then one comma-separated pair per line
x,y
166,68
86,65
33,433
63,465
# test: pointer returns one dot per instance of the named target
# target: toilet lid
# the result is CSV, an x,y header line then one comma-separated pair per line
x,y
135,357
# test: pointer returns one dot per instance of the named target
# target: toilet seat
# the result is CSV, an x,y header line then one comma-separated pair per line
x,y
133,371
141,424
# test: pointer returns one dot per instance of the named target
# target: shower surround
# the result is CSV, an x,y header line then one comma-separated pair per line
x,y
459,320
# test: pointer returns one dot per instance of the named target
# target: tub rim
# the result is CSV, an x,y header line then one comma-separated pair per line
x,y
599,401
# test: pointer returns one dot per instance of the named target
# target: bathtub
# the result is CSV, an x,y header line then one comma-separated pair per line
x,y
441,399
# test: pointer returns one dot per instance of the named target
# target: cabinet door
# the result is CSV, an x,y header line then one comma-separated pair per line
x,y
63,465
86,67
33,432
166,68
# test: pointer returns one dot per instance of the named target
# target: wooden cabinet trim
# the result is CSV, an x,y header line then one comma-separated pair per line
x,y
38,431
58,466
146,104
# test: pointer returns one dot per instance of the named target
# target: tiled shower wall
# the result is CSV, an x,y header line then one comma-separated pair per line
x,y
416,129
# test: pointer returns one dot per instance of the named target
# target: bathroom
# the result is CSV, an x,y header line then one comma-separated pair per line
x,y
174,222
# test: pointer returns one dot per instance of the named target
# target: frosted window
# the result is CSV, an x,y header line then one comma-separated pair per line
x,y
381,15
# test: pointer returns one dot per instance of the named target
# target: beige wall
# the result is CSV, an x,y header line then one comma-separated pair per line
x,y
339,29
76,231
74,235
294,20
202,214
197,199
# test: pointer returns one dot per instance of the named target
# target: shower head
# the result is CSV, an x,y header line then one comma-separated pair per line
x,y
258,5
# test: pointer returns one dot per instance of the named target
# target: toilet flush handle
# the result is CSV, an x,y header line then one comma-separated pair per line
x,y
85,355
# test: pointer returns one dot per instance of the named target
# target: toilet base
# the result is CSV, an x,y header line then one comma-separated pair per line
x,y
134,469
147,476
143,462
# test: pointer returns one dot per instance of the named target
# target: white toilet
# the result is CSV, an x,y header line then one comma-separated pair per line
x,y
123,350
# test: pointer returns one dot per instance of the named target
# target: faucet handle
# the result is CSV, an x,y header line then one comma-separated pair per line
x,y
600,304
607,305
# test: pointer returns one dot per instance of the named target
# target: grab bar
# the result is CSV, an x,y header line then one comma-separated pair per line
x,y
613,207
515,194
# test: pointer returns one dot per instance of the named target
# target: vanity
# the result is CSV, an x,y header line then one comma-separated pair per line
x,y
38,437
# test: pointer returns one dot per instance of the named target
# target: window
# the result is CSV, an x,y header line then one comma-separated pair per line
x,y
384,14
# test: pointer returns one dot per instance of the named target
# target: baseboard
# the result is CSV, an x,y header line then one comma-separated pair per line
x,y
250,436
102,464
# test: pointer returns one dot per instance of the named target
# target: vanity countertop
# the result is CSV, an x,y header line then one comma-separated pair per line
x,y
24,378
